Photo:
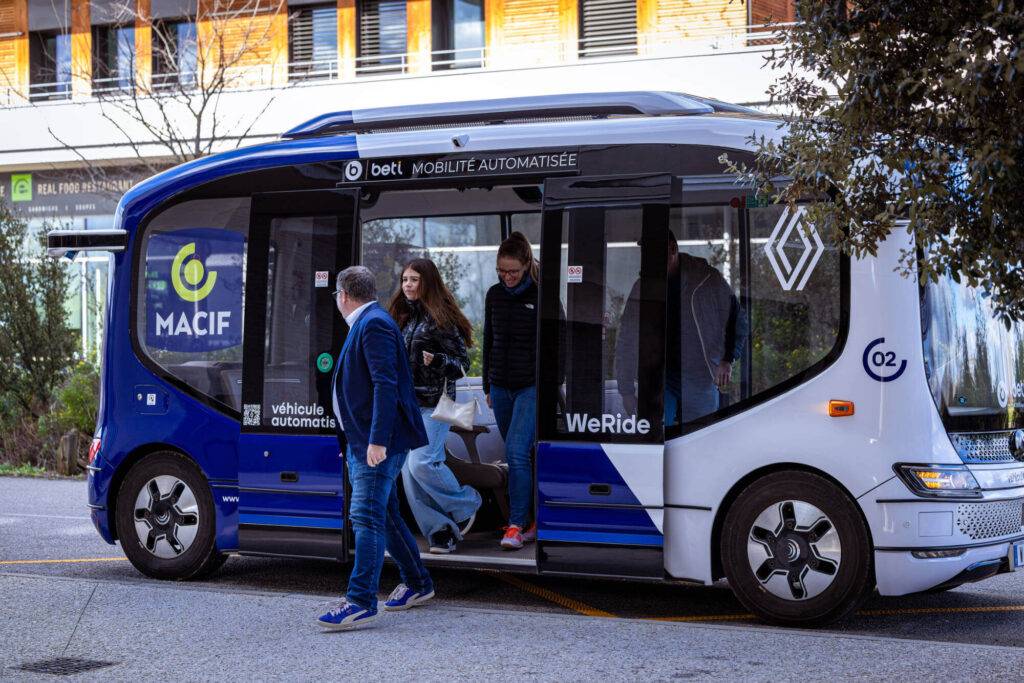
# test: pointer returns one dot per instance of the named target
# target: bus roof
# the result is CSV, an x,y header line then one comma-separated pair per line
x,y
511,123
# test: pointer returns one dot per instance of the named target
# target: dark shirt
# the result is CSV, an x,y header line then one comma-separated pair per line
x,y
510,338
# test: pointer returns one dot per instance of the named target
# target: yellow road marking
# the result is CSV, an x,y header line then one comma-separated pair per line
x,y
551,596
939,610
707,617
85,559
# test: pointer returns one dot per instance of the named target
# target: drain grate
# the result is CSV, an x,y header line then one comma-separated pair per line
x,y
64,666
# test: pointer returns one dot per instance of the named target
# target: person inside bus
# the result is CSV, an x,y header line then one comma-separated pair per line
x,y
703,321
509,360
436,335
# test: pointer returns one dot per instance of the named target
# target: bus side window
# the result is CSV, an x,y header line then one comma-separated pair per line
x,y
463,248
745,316
189,295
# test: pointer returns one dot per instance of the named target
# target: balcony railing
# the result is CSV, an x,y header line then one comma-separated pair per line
x,y
42,92
627,46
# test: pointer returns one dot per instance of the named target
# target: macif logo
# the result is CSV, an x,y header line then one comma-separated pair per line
x,y
186,275
192,273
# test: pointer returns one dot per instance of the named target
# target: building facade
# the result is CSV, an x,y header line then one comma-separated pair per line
x,y
113,85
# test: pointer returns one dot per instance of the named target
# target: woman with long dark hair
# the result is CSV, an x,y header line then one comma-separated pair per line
x,y
509,359
436,336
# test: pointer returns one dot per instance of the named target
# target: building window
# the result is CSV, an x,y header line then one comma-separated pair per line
x,y
313,43
382,36
49,65
113,58
458,34
607,27
175,55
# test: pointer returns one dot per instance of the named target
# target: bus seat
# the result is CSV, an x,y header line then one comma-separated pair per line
x,y
479,475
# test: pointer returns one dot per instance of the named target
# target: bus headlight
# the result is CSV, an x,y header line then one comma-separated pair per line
x,y
939,480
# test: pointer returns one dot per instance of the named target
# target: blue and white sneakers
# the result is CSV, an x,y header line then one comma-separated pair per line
x,y
345,616
404,597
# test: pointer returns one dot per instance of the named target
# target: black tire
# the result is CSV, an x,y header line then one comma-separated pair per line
x,y
851,575
201,556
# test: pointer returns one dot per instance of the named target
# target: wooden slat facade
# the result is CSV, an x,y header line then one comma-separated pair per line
x,y
776,11
347,32
81,49
516,33
143,45
664,22
418,35
14,49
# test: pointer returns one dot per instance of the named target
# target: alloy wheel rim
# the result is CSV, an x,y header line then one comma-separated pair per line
x,y
794,550
166,516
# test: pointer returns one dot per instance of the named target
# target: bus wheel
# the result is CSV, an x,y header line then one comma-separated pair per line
x,y
796,551
165,518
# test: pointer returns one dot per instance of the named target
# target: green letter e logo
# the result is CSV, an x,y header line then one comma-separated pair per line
x,y
192,272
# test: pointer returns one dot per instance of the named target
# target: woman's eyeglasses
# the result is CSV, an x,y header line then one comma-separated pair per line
x,y
509,273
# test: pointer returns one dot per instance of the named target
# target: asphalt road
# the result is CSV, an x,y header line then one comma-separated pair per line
x,y
65,593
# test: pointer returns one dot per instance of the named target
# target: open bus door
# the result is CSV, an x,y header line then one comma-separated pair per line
x,y
601,372
290,476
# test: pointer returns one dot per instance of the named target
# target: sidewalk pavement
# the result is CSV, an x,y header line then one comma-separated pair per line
x,y
153,631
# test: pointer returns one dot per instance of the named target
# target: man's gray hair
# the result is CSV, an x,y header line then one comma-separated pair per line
x,y
359,283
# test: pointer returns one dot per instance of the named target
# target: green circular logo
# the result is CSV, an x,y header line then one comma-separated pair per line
x,y
324,362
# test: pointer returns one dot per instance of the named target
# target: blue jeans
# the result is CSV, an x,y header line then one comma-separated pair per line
x,y
436,498
378,522
515,412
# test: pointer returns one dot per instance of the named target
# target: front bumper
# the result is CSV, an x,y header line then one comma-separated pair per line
x,y
901,523
898,572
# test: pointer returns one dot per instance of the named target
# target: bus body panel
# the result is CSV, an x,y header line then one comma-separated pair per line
x,y
894,421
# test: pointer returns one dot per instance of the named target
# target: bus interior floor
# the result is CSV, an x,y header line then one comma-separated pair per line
x,y
483,548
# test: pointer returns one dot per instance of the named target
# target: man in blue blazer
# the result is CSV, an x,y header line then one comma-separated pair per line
x,y
380,421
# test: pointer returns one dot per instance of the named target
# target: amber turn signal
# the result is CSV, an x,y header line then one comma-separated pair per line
x,y
840,408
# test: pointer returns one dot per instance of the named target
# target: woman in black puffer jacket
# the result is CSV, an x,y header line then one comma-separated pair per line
x,y
436,336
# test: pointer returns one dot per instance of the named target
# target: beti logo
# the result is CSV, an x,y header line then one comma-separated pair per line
x,y
192,273
353,170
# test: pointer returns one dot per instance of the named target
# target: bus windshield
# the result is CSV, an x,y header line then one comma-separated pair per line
x,y
974,364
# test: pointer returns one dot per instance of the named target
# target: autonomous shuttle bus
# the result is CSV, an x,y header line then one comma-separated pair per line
x,y
721,392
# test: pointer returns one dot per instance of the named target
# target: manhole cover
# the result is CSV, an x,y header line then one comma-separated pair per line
x,y
64,666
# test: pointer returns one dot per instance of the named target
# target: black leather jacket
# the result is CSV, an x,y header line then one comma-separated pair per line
x,y
451,359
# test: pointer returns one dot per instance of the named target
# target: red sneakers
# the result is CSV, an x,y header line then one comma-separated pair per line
x,y
513,538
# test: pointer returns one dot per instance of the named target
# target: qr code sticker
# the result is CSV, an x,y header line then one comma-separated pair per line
x,y
251,416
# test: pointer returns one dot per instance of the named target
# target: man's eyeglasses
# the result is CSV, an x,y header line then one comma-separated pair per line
x,y
336,292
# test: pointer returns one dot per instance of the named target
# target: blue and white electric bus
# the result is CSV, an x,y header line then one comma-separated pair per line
x,y
868,437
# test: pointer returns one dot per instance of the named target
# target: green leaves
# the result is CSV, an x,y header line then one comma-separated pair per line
x,y
907,110
36,345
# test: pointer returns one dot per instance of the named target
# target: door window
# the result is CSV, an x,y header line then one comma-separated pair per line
x,y
611,325
303,329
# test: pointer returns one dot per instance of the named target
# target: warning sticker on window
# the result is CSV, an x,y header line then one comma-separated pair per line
x,y
323,278
574,274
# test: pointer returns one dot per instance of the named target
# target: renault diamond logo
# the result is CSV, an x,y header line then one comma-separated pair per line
x,y
192,273
791,274
353,170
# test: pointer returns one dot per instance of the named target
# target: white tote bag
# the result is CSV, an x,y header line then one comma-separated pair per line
x,y
456,414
